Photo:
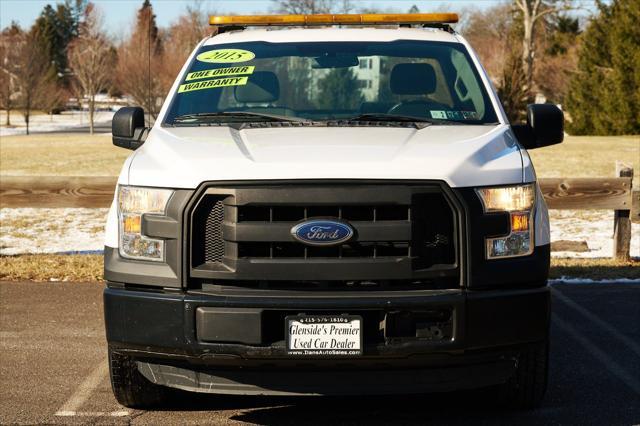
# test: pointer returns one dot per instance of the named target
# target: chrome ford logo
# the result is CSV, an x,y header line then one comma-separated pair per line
x,y
322,232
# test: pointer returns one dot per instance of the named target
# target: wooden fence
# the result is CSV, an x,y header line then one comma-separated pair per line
x,y
560,193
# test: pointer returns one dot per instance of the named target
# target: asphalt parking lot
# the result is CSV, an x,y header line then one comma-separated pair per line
x,y
53,370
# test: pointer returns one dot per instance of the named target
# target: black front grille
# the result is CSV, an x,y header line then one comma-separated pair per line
x,y
213,242
298,213
348,250
401,233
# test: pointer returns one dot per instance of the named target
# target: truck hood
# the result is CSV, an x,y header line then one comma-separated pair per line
x,y
463,155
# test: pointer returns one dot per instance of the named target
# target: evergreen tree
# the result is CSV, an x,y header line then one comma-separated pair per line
x,y
604,94
339,90
52,32
146,30
511,92
77,10
563,32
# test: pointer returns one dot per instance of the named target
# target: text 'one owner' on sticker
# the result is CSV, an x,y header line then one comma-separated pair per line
x,y
224,56
212,84
219,72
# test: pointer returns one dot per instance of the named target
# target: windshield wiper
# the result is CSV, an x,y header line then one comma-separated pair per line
x,y
244,116
418,122
380,116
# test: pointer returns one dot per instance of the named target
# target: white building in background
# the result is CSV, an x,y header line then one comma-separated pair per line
x,y
368,75
367,72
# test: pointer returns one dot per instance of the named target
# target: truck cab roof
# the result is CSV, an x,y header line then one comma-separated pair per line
x,y
329,34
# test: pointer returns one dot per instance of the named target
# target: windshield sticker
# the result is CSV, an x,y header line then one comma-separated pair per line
x,y
212,84
219,72
226,56
454,115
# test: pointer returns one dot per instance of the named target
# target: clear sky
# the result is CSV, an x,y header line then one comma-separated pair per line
x,y
120,13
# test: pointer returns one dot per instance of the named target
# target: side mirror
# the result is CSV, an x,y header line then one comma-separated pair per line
x,y
127,128
545,126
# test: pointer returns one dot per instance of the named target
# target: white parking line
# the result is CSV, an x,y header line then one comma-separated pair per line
x,y
629,343
83,393
609,363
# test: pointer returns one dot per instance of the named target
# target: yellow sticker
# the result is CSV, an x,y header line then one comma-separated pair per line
x,y
226,56
212,84
220,72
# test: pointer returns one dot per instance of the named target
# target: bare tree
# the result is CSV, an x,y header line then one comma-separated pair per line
x,y
181,38
490,32
532,12
9,68
31,78
313,6
6,103
91,59
140,62
53,97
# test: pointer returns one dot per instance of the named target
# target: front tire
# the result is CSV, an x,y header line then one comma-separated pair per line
x,y
131,388
526,388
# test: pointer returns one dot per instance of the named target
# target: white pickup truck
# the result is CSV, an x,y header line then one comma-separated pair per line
x,y
329,204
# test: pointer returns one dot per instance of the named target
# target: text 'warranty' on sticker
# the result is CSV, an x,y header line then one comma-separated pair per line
x,y
219,72
212,84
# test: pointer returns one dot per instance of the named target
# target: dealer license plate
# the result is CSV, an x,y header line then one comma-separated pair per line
x,y
324,335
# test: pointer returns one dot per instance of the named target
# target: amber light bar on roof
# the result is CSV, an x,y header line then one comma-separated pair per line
x,y
339,19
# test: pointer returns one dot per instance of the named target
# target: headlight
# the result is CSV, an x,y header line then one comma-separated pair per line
x,y
518,201
133,202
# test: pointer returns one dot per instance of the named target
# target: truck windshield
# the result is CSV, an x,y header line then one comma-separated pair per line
x,y
328,81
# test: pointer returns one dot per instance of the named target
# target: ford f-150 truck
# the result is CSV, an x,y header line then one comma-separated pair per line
x,y
329,204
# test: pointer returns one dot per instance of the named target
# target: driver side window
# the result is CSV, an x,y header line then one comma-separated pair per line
x,y
466,86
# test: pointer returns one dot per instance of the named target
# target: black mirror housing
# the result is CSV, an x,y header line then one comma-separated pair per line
x,y
127,128
545,126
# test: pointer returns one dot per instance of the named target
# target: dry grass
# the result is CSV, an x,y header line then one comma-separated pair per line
x,y
51,267
85,155
588,156
60,154
596,269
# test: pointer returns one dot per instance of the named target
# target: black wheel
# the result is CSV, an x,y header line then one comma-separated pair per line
x,y
131,388
526,388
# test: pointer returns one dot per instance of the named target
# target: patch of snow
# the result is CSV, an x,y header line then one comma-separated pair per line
x,y
593,226
31,230
570,280
68,120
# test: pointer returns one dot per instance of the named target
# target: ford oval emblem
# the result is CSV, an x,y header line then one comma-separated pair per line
x,y
322,232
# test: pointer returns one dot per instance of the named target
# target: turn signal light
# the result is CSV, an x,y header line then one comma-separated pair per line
x,y
131,223
520,222
338,19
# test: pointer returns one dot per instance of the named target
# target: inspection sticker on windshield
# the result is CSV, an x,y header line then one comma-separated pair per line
x,y
454,115
224,56
324,335
212,84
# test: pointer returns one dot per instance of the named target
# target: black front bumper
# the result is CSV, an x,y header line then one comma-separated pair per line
x,y
171,338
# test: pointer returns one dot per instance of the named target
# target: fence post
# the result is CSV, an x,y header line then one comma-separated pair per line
x,y
622,221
